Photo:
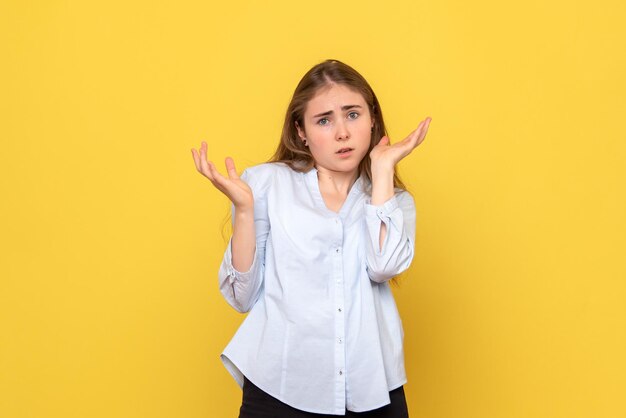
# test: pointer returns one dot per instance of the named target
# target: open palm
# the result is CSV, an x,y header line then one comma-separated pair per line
x,y
386,155
232,186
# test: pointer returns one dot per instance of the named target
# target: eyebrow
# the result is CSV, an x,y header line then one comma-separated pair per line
x,y
346,107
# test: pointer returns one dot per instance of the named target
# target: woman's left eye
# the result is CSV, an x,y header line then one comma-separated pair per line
x,y
350,115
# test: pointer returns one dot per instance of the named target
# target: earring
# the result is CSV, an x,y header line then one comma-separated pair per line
x,y
304,140
372,129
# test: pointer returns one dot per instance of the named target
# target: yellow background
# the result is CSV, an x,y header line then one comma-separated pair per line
x,y
515,305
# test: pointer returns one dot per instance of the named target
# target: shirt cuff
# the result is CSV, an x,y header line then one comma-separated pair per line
x,y
234,274
383,211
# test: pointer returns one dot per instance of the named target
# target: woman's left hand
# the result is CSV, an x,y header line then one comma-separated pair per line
x,y
386,156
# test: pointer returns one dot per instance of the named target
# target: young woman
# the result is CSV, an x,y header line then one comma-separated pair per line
x,y
318,233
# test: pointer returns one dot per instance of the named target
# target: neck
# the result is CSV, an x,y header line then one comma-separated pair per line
x,y
339,181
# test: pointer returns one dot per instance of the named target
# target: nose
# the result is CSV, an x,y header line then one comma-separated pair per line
x,y
342,131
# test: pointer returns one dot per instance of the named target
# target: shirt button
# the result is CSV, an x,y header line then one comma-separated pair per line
x,y
340,372
339,340
339,309
337,250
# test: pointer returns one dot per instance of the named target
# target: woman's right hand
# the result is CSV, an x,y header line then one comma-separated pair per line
x,y
233,187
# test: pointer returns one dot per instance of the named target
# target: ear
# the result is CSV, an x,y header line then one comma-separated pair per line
x,y
301,133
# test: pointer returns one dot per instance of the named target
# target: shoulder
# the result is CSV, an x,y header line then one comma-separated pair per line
x,y
260,177
266,169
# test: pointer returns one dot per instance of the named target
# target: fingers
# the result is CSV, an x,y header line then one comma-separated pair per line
x,y
422,135
208,169
205,167
384,141
230,168
216,177
196,158
417,136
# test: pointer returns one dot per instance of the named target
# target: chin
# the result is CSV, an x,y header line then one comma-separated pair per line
x,y
348,167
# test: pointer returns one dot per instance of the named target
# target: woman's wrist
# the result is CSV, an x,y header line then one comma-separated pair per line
x,y
244,211
382,185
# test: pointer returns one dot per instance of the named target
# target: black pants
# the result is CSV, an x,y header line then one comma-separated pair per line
x,y
258,404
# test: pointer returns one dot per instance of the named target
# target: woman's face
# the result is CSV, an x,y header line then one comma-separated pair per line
x,y
337,128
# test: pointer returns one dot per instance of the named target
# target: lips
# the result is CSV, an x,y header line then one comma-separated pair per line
x,y
344,150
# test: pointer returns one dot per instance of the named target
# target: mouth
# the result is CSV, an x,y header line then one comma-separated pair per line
x,y
344,150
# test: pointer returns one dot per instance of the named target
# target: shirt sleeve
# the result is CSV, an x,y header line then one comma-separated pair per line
x,y
242,289
398,214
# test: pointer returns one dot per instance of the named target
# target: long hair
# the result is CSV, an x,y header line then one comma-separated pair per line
x,y
292,151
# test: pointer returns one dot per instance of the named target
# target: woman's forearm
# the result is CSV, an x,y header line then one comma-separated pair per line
x,y
382,190
244,240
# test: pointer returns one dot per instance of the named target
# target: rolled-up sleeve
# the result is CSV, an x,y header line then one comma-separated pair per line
x,y
242,289
395,256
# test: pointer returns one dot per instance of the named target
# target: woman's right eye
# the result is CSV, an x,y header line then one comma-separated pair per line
x,y
322,121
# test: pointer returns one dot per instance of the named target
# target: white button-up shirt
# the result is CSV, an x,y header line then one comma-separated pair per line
x,y
323,333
